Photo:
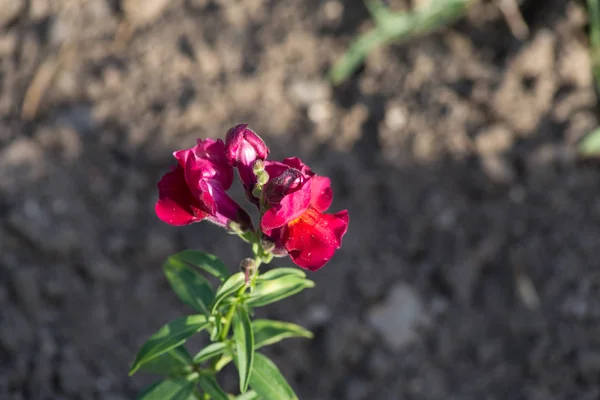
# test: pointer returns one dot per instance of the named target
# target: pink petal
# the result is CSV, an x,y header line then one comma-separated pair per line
x,y
321,193
297,163
312,240
176,205
289,208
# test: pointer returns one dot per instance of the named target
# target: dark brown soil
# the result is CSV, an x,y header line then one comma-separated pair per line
x,y
454,154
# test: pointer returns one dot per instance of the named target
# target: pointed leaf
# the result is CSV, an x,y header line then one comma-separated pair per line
x,y
210,385
279,272
268,382
273,290
249,395
244,345
175,362
229,287
210,351
267,332
191,287
171,335
206,262
168,390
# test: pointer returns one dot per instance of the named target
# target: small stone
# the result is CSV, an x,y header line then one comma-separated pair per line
x,y
10,10
306,93
320,112
395,118
498,169
8,43
143,12
333,10
495,139
398,318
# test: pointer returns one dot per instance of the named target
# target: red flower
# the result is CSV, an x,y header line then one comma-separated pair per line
x,y
195,189
295,219
243,147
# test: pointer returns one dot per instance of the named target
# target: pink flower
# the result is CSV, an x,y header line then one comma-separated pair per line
x,y
196,188
243,147
295,220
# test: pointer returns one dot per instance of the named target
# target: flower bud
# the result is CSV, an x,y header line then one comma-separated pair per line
x,y
267,245
258,166
244,147
262,177
247,264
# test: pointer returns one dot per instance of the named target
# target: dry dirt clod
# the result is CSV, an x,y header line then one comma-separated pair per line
x,y
9,10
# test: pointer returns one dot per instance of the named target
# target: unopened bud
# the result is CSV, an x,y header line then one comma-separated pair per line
x,y
262,177
247,264
235,227
267,245
258,166
257,191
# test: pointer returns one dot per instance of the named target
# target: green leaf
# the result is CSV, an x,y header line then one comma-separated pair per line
x,y
174,362
279,272
590,145
268,382
210,351
273,290
210,385
168,390
168,337
191,287
249,395
229,287
267,332
244,345
206,262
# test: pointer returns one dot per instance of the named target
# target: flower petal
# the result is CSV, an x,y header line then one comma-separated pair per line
x,y
176,205
297,163
312,239
321,193
290,207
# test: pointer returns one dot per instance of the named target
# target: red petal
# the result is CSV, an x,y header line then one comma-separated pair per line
x,y
313,238
289,208
321,195
176,205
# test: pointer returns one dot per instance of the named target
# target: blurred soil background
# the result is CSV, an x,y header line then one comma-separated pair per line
x,y
471,267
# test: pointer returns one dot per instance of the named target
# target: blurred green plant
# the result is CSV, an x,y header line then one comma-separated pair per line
x,y
396,26
590,145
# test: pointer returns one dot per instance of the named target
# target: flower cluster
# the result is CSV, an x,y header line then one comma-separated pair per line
x,y
290,197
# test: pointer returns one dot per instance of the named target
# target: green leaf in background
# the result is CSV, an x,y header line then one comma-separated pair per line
x,y
268,382
590,145
210,351
206,262
273,290
396,26
168,337
249,395
244,344
168,390
279,272
229,287
267,332
191,287
210,386
175,362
